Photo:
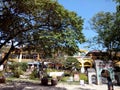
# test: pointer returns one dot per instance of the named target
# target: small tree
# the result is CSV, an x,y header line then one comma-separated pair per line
x,y
71,64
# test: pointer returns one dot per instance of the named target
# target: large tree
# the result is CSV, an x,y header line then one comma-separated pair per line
x,y
107,26
58,29
15,19
43,25
102,23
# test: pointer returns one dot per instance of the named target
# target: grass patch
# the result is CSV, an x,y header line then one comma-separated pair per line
x,y
11,79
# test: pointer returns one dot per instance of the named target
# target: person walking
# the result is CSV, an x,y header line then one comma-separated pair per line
x,y
110,84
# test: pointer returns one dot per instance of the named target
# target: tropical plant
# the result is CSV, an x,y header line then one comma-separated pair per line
x,y
34,74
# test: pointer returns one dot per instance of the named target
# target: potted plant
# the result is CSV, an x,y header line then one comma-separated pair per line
x,y
44,80
2,78
54,80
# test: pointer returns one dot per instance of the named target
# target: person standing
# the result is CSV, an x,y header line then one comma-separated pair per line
x,y
110,84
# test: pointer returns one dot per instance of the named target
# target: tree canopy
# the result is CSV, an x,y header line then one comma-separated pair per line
x,y
107,26
43,25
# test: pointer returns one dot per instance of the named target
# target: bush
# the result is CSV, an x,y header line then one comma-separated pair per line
x,y
23,66
67,73
34,74
17,72
83,77
64,79
16,68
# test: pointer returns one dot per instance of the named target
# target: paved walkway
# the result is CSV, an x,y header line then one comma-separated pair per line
x,y
60,86
86,87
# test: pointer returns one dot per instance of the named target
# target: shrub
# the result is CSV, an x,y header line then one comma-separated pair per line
x,y
23,66
67,73
83,77
64,79
16,68
34,74
17,72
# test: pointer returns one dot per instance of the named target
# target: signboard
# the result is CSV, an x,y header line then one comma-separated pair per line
x,y
76,77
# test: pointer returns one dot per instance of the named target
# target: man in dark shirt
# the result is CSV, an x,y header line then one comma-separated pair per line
x,y
110,84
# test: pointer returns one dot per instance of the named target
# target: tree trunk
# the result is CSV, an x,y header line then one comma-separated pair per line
x,y
6,55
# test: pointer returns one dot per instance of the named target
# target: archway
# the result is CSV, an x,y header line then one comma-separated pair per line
x,y
87,65
104,69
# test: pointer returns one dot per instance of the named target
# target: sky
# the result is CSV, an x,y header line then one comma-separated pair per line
x,y
87,9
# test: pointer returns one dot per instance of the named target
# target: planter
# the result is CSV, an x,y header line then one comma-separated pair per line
x,y
54,82
2,79
44,81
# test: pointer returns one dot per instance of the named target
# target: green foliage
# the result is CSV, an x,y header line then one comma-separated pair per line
x,y
17,72
64,79
40,25
23,66
34,74
14,18
107,26
13,65
72,63
17,68
67,73
59,30
1,73
83,77
102,23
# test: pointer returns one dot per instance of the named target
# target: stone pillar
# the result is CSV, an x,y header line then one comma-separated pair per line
x,y
98,66
91,72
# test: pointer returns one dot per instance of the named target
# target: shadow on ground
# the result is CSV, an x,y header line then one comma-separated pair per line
x,y
86,89
28,86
